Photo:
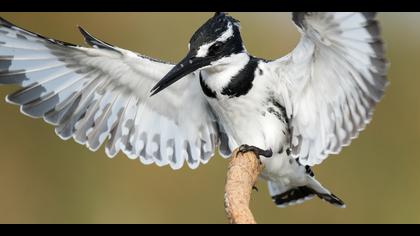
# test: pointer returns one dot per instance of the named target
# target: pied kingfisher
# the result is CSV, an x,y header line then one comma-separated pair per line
x,y
293,111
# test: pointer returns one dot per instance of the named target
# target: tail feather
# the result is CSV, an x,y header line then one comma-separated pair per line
x,y
293,196
324,193
287,196
331,198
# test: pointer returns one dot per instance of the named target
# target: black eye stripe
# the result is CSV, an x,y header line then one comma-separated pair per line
x,y
216,46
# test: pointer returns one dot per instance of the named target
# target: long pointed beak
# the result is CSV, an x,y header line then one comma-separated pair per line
x,y
186,66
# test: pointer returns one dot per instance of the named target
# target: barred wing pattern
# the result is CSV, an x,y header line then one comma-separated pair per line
x,y
101,94
333,78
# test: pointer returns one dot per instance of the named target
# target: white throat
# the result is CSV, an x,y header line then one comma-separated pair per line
x,y
219,74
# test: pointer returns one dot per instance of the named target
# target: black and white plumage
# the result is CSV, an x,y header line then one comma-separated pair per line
x,y
301,107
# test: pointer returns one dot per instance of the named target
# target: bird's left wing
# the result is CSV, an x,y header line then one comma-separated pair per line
x,y
331,81
101,94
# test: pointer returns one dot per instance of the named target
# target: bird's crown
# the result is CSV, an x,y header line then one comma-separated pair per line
x,y
222,31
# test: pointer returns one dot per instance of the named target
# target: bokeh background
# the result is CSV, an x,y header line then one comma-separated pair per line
x,y
46,180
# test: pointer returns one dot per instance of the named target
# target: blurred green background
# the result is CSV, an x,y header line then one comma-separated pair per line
x,y
46,180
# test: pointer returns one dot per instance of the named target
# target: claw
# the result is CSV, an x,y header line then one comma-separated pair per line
x,y
258,151
244,148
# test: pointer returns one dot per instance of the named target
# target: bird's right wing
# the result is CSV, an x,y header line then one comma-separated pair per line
x,y
102,94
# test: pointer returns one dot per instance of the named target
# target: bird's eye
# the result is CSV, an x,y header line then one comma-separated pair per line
x,y
215,48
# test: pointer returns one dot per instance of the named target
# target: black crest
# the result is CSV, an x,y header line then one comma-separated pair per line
x,y
213,29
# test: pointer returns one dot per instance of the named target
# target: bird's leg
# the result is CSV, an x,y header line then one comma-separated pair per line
x,y
258,151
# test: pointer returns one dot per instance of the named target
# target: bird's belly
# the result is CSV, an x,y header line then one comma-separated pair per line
x,y
245,124
266,133
254,126
283,168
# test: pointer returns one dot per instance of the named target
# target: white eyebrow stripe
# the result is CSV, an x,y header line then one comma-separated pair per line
x,y
203,50
227,34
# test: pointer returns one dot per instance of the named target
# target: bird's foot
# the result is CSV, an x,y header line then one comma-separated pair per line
x,y
258,151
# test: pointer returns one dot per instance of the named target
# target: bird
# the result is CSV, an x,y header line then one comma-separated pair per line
x,y
293,112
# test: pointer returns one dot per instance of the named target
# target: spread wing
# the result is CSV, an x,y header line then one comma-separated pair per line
x,y
101,94
332,81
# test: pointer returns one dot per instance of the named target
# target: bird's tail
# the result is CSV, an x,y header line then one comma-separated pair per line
x,y
284,196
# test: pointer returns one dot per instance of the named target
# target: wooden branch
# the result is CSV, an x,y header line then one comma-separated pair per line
x,y
242,175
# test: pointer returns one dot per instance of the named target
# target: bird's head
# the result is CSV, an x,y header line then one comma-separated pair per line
x,y
217,39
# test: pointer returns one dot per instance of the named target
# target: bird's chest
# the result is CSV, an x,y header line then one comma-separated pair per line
x,y
254,118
